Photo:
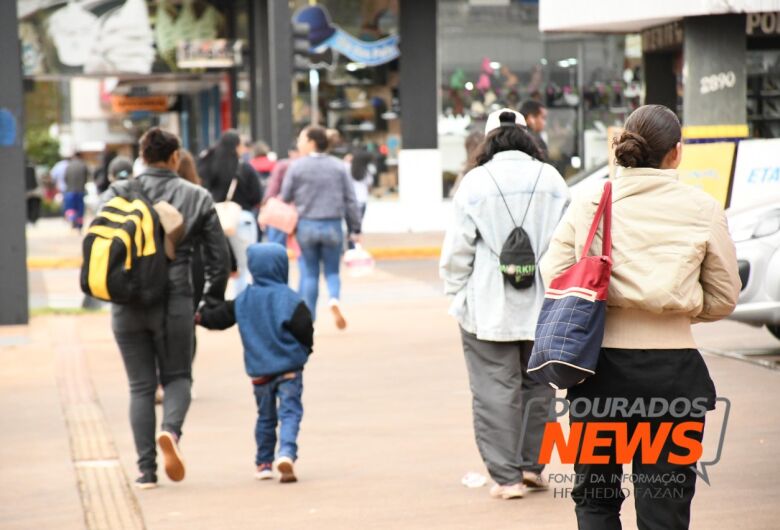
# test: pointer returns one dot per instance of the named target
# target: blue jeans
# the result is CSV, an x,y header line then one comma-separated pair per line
x,y
73,204
321,241
275,235
278,401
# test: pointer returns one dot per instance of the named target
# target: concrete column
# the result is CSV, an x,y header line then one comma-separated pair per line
x,y
280,66
714,77
260,79
271,68
419,164
660,81
13,255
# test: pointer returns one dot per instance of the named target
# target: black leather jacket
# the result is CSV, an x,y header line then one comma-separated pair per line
x,y
201,224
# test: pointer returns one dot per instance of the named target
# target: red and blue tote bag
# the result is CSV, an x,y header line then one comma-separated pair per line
x,y
570,329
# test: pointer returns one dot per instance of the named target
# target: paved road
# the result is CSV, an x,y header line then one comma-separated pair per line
x,y
385,439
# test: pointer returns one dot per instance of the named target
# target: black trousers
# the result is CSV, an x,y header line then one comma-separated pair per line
x,y
156,344
662,491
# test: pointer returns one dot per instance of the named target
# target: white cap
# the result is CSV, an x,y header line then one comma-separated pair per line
x,y
494,123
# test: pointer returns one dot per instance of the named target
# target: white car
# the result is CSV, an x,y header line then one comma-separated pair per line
x,y
756,233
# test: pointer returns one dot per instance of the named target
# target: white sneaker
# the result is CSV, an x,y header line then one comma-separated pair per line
x,y
284,465
264,472
535,481
511,491
338,316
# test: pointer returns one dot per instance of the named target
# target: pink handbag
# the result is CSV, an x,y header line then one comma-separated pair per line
x,y
278,214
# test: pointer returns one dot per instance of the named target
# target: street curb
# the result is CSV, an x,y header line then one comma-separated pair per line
x,y
379,253
37,263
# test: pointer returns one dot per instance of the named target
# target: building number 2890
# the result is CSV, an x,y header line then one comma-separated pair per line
x,y
715,82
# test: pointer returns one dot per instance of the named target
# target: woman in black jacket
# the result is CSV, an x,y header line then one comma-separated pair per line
x,y
159,338
218,168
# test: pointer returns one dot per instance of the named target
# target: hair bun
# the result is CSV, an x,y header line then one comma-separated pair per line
x,y
632,150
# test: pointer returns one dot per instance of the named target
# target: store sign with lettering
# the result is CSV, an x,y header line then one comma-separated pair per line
x,y
708,167
660,38
127,104
763,24
757,172
217,53
323,34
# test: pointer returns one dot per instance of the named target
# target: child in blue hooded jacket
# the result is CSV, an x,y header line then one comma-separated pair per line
x,y
277,333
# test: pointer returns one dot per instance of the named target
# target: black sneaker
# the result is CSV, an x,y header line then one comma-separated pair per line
x,y
146,481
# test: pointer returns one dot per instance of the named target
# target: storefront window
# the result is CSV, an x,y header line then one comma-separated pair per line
x,y
494,56
354,88
763,69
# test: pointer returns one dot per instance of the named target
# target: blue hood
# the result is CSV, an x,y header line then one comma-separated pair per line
x,y
263,311
268,263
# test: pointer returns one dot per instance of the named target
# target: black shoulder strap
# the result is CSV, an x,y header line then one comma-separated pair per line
x,y
533,191
502,195
541,167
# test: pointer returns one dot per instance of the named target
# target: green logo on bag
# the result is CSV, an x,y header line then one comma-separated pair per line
x,y
519,271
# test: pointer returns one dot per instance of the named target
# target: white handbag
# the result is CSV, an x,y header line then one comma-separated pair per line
x,y
229,212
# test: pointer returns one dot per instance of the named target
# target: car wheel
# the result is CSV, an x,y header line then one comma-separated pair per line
x,y
774,330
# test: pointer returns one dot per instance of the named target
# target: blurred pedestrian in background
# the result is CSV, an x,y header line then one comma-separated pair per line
x,y
120,168
219,167
274,189
188,170
508,188
34,193
76,177
262,162
58,174
472,143
363,172
535,115
323,193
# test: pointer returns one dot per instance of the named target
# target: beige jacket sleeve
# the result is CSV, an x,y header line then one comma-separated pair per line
x,y
561,253
719,272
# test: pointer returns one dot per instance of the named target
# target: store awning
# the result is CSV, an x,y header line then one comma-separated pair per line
x,y
631,16
166,84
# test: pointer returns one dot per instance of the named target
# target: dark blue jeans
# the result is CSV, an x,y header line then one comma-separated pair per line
x,y
321,241
278,402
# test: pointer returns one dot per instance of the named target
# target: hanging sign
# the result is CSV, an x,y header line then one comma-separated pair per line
x,y
126,104
323,34
708,167
215,53
757,172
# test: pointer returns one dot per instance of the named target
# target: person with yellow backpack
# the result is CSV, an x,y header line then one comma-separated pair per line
x,y
137,255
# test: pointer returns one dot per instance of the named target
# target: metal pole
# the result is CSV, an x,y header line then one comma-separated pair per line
x,y
314,84
581,107
280,74
13,256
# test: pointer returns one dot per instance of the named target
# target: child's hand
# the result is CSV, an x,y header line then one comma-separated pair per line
x,y
219,316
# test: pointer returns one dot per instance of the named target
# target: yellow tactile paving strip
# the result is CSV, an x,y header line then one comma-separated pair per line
x,y
106,497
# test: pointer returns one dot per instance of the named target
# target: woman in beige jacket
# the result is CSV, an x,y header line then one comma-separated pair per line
x,y
674,265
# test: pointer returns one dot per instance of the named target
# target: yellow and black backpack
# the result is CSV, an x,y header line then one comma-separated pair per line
x,y
124,254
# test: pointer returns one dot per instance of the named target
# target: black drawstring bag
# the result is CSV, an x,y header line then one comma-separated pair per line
x,y
518,259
